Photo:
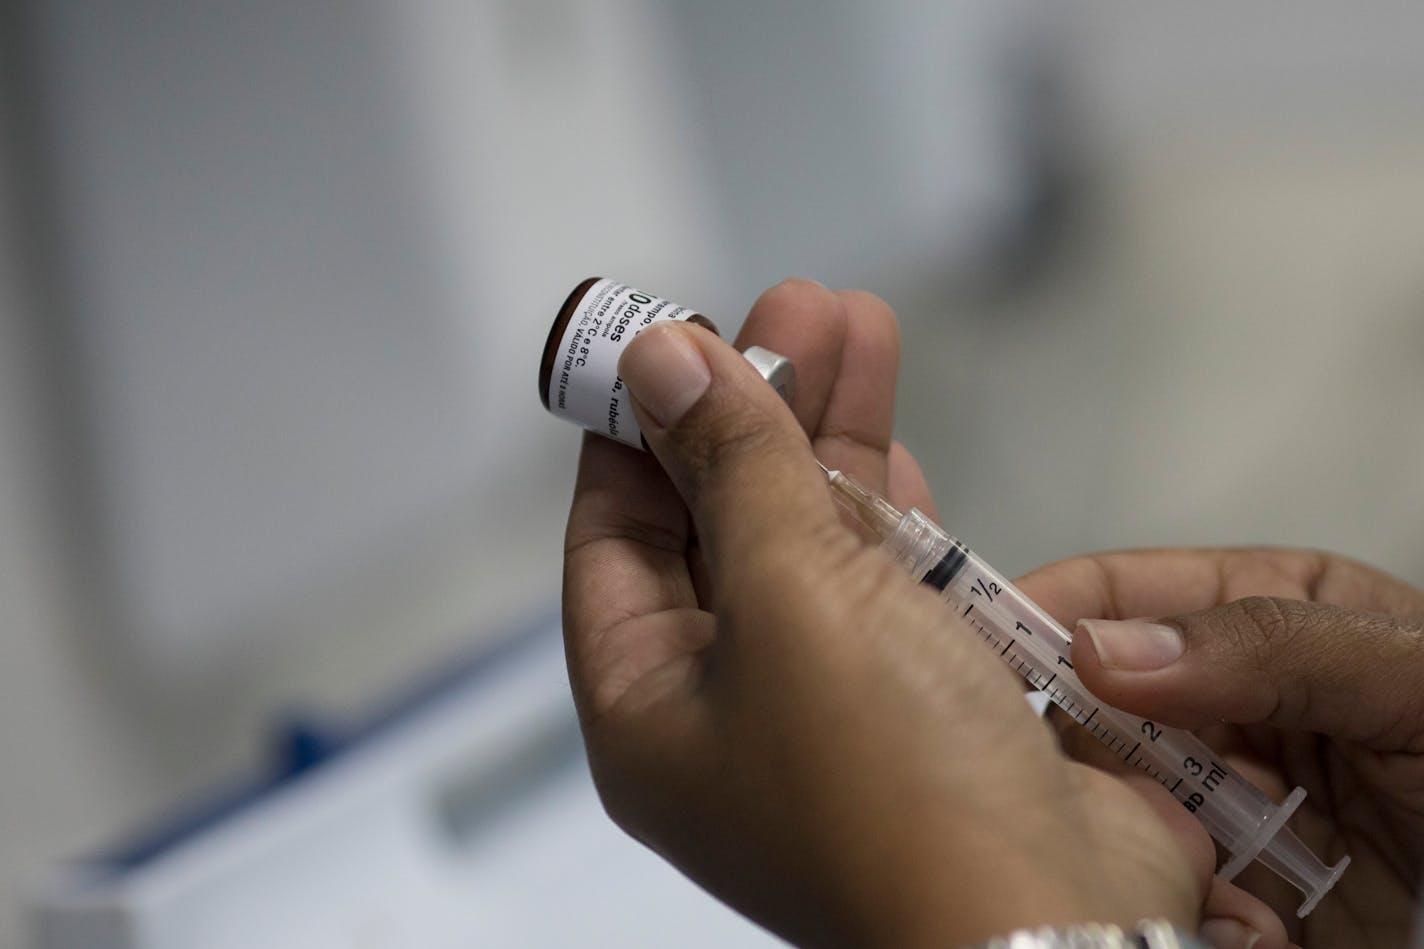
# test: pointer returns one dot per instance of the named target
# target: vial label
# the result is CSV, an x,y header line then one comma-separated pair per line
x,y
585,387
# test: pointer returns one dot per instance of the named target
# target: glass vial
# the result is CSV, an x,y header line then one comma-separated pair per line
x,y
578,373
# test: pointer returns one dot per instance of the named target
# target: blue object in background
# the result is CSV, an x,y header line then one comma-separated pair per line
x,y
460,813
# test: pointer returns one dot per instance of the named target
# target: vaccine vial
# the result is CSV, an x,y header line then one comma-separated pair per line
x,y
578,371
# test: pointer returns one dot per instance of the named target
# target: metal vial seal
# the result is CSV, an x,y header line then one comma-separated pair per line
x,y
578,371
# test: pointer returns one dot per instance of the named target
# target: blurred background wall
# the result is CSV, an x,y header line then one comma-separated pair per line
x,y
273,280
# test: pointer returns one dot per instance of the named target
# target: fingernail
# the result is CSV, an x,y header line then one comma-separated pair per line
x,y
1223,933
665,371
1133,645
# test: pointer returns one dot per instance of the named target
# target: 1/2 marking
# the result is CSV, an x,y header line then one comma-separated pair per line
x,y
986,589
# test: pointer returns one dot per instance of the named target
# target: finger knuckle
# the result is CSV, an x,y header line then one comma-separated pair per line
x,y
1268,626
854,438
619,525
740,434
865,301
797,292
713,450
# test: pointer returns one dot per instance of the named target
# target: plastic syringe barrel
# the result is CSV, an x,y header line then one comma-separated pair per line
x,y
1242,819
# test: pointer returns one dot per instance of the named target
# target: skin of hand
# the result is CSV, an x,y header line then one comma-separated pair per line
x,y
774,707
1301,668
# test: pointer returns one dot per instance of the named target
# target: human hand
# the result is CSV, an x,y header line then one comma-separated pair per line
x,y
1317,663
775,708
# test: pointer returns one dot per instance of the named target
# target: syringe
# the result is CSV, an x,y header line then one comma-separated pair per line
x,y
1235,812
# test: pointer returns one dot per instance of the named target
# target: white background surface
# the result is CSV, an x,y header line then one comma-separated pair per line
x,y
471,822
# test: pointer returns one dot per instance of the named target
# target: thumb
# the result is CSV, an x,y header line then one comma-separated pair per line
x,y
732,448
1352,675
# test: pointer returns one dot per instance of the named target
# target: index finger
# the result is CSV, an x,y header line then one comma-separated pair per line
x,y
624,558
846,348
1168,581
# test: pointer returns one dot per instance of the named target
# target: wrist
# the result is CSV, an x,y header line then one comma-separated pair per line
x,y
999,893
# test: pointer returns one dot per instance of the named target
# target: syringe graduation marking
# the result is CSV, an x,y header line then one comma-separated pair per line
x,y
958,556
1244,820
946,571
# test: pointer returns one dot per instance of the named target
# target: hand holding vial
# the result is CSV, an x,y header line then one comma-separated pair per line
x,y
774,707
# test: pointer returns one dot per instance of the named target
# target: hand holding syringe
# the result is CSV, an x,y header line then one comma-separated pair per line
x,y
889,780
1242,819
